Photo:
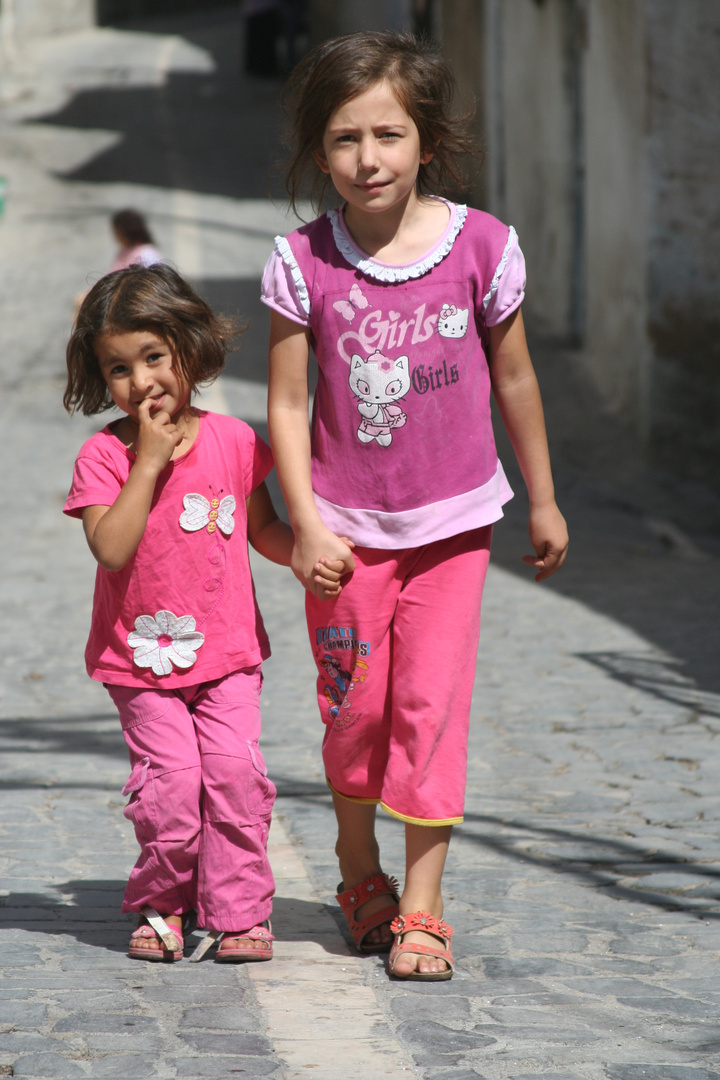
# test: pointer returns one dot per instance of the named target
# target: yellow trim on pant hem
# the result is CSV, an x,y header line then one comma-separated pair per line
x,y
351,798
417,820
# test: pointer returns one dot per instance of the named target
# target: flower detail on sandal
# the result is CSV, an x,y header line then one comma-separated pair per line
x,y
164,640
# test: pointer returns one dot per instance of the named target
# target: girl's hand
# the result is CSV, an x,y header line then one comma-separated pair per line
x,y
328,574
157,437
319,547
549,537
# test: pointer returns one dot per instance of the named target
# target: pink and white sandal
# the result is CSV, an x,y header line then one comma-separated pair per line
x,y
422,920
170,938
243,950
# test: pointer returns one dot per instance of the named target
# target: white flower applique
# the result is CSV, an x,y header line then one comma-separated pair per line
x,y
165,640
201,513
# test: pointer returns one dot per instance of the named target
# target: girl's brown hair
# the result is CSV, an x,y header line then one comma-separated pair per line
x,y
154,299
338,70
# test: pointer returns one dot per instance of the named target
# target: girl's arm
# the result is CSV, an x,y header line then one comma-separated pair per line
x,y
274,539
114,532
518,396
290,439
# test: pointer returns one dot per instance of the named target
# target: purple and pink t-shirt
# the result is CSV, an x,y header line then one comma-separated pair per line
x,y
402,446
182,611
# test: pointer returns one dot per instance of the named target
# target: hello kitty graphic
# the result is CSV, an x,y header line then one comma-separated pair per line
x,y
379,382
452,321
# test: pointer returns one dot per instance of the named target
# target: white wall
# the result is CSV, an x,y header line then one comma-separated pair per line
x,y
22,20
616,255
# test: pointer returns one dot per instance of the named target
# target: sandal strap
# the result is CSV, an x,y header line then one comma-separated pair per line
x,y
422,920
170,936
375,885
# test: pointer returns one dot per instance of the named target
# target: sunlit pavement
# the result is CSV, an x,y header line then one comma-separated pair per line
x,y
583,885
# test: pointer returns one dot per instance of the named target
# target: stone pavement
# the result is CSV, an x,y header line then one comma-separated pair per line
x,y
583,885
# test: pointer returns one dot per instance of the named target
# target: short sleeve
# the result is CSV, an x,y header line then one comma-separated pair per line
x,y
507,290
258,461
280,289
93,484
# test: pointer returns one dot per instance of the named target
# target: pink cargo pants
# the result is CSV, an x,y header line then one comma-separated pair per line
x,y
200,800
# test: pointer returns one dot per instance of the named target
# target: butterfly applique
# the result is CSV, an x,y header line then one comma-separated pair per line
x,y
214,513
356,301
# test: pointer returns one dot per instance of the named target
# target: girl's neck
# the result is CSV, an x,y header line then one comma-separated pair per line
x,y
187,422
402,234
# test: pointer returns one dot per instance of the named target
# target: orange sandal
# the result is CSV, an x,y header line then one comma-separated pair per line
x,y
423,920
351,899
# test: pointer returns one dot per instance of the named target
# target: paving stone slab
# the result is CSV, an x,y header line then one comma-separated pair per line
x,y
124,1067
210,1043
56,1066
231,1067
108,1023
219,1018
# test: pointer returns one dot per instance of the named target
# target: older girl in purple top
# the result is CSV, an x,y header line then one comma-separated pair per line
x,y
412,306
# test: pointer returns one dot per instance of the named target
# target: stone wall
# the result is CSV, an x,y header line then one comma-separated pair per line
x,y
684,232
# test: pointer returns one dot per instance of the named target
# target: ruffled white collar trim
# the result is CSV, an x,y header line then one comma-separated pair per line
x,y
384,271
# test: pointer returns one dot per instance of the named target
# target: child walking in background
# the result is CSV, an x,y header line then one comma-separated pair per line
x,y
412,306
135,241
169,496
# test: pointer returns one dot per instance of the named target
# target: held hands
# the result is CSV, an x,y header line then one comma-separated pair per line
x,y
320,559
549,536
157,437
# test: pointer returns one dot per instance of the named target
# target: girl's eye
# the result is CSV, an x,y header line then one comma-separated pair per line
x,y
391,136
118,369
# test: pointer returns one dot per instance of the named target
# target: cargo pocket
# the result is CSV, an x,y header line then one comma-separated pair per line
x,y
261,791
140,809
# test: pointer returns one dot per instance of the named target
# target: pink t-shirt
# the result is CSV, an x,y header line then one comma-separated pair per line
x,y
182,611
403,452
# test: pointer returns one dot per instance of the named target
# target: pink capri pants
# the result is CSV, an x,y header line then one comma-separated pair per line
x,y
200,800
396,655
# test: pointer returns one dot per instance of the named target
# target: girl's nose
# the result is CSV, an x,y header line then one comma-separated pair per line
x,y
142,380
368,154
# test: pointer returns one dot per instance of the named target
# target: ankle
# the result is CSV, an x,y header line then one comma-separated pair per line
x,y
421,900
356,865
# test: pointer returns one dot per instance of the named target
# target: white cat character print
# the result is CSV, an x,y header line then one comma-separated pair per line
x,y
452,321
379,382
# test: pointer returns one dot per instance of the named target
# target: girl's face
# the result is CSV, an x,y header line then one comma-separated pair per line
x,y
137,366
371,150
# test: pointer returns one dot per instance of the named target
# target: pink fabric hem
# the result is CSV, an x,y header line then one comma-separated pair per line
x,y
423,525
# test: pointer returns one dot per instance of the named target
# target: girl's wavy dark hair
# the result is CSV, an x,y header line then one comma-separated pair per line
x,y
338,70
154,299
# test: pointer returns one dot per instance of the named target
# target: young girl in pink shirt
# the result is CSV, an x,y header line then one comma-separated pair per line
x,y
411,304
169,496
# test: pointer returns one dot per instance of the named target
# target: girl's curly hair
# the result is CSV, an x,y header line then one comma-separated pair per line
x,y
338,70
154,299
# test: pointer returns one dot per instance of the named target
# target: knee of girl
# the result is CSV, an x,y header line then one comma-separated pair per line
x,y
237,790
166,806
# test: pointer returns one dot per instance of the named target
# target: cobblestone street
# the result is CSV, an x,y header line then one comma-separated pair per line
x,y
584,884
